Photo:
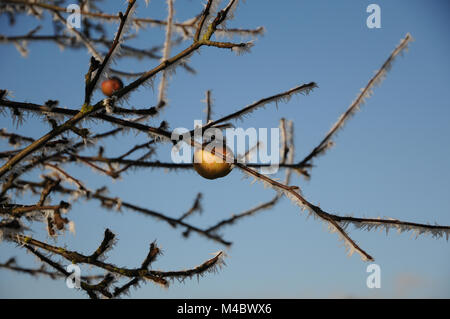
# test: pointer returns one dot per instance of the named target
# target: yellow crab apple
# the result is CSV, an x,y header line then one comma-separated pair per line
x,y
209,162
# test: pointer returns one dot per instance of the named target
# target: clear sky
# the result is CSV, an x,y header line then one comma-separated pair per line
x,y
391,159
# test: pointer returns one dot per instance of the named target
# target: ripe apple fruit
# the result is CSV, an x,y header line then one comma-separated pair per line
x,y
209,163
111,85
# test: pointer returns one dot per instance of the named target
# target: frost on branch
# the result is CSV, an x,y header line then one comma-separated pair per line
x,y
243,48
166,54
10,228
115,273
365,93
386,224
212,6
304,89
231,8
67,143
22,47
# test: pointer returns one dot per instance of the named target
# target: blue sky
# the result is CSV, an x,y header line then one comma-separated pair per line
x,y
390,160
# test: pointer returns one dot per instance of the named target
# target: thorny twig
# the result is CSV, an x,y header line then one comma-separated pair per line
x,y
11,264
57,151
156,276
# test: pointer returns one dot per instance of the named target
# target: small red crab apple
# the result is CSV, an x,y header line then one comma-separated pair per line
x,y
111,85
209,163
